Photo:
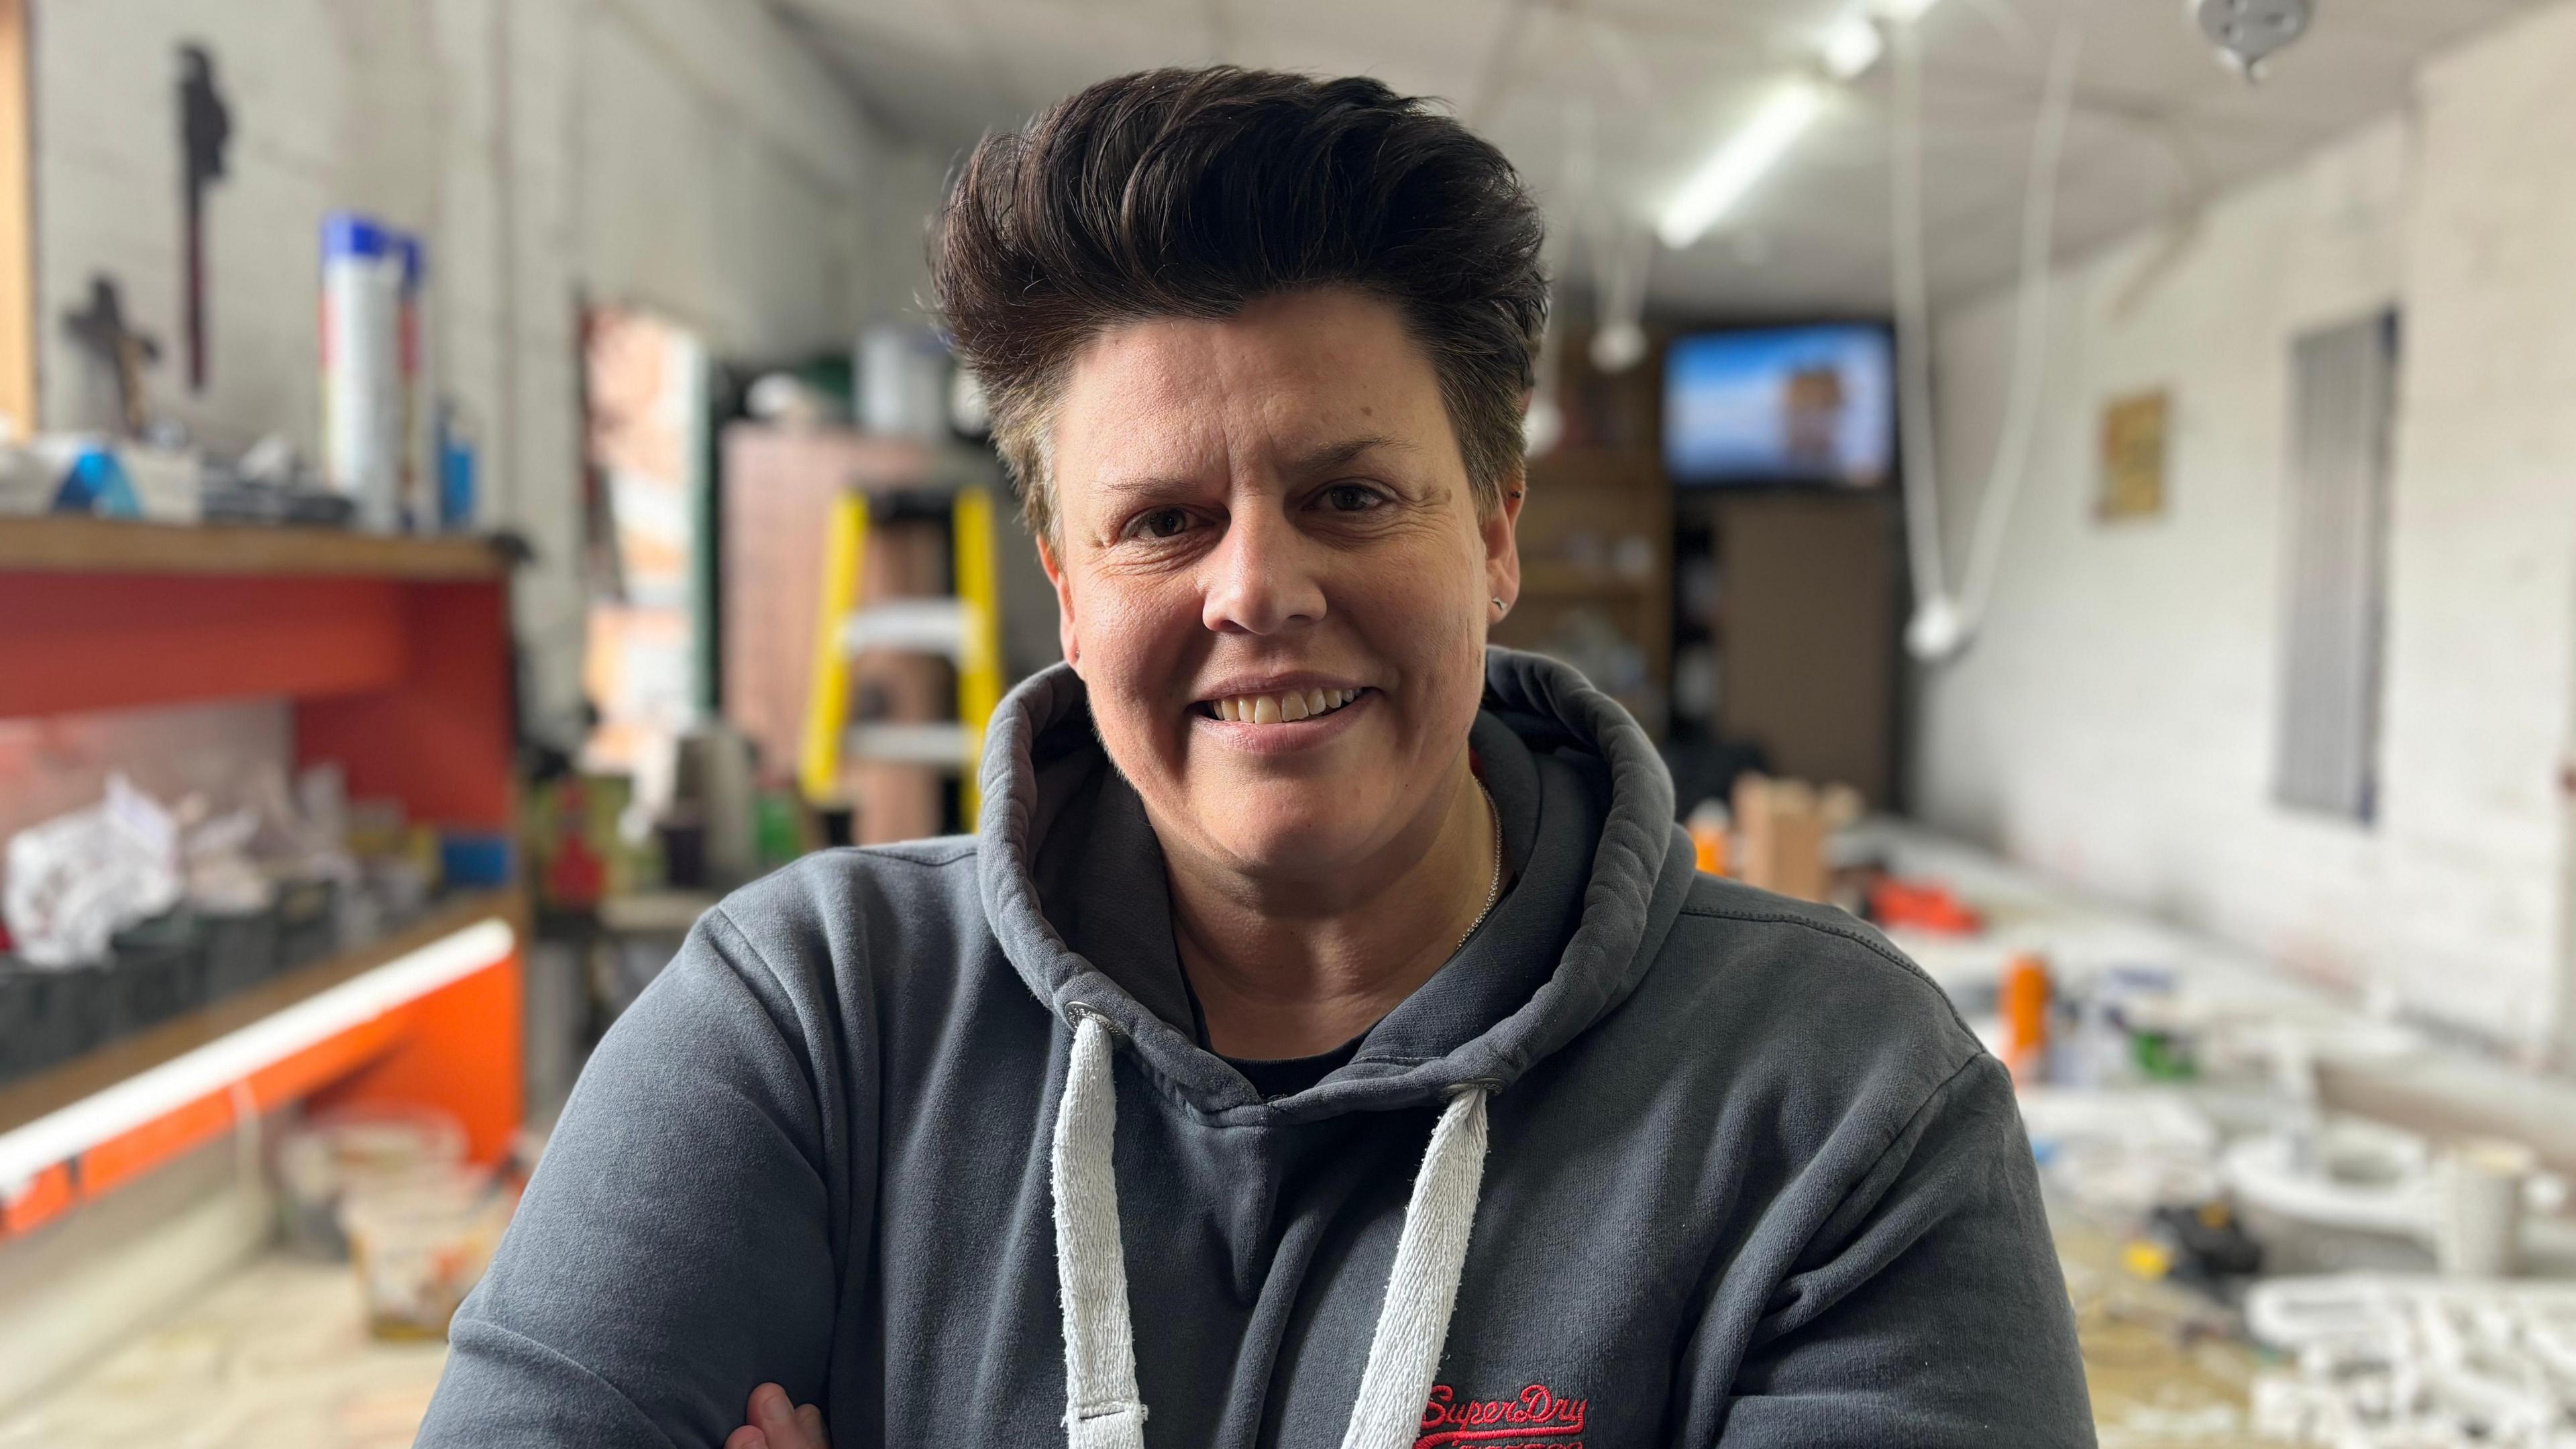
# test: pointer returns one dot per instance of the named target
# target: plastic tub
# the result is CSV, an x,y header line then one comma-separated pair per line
x,y
420,1243
322,1162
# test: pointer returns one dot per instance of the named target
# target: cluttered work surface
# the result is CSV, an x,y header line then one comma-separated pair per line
x,y
2281,1219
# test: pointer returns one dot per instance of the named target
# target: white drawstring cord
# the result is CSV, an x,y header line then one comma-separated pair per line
x,y
1422,1289
1103,1409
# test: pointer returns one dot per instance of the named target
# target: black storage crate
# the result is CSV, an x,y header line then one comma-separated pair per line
x,y
160,969
308,925
49,1016
242,950
88,1006
30,1038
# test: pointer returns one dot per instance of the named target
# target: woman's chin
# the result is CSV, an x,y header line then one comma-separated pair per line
x,y
1296,844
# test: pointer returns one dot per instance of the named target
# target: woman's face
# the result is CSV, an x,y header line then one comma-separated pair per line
x,y
1255,517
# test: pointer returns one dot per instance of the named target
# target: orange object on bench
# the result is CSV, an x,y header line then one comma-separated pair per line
x,y
1921,906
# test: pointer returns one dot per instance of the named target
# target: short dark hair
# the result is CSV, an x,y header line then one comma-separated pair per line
x,y
1191,193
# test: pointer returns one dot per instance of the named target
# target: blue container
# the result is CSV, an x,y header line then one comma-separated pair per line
x,y
471,861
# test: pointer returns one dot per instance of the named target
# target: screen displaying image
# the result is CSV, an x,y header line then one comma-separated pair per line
x,y
1781,405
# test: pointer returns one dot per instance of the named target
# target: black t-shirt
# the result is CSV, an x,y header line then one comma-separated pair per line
x,y
1296,1074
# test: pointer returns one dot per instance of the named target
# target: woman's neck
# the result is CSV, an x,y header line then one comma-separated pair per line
x,y
1291,968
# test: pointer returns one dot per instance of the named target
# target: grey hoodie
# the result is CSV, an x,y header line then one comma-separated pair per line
x,y
1749,1180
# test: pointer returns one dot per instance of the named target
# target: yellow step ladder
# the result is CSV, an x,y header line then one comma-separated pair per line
x,y
965,628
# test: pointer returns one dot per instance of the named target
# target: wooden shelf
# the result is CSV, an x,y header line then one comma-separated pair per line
x,y
394,651
74,543
1554,579
429,1013
24,1101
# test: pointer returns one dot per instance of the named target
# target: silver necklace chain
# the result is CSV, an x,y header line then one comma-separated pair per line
x,y
1494,887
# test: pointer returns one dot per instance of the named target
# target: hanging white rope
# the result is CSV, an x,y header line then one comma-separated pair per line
x,y
1944,622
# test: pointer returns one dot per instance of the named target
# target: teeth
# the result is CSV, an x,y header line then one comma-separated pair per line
x,y
1283,708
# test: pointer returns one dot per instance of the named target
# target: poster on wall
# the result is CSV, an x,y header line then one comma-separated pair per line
x,y
2134,432
646,640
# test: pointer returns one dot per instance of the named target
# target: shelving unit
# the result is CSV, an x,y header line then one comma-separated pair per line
x,y
430,1012
1596,567
394,656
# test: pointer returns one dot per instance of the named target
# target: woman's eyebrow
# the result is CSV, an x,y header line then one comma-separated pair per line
x,y
1329,456
1306,463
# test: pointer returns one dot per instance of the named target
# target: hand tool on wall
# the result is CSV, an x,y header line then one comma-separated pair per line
x,y
205,128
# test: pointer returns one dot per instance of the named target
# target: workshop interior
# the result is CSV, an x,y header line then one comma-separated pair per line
x,y
2087,487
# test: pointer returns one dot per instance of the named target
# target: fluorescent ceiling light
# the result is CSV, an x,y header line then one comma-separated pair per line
x,y
1733,168
1851,47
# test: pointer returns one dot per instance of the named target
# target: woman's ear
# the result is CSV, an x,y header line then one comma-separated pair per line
x,y
1501,531
1068,637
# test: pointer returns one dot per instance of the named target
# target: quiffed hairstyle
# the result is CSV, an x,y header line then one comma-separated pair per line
x,y
1190,193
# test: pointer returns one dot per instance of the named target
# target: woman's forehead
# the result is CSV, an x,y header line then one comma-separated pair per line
x,y
1287,384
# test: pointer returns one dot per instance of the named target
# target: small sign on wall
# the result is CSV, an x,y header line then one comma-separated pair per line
x,y
2133,457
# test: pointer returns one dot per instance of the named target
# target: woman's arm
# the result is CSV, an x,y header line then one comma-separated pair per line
x,y
1929,1310
675,1247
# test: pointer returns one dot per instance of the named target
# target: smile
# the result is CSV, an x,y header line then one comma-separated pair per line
x,y
1286,707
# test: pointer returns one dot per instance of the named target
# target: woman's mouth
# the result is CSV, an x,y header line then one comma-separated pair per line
x,y
1285,707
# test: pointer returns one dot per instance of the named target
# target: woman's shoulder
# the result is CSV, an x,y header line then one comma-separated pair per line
x,y
859,909
1808,988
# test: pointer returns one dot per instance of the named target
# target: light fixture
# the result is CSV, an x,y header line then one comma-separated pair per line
x,y
1732,169
1851,47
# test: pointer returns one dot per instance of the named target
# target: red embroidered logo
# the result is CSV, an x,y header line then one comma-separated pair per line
x,y
1536,1418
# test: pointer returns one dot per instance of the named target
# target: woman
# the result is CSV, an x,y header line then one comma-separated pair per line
x,y
1326,1039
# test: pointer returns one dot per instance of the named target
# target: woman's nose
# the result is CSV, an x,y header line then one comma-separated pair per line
x,y
1260,580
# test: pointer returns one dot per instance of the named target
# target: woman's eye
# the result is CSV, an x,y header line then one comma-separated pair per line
x,y
1160,523
1352,498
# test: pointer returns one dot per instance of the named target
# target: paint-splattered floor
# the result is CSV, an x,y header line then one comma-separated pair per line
x,y
274,1356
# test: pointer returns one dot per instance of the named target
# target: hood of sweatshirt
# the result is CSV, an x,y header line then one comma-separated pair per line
x,y
1615,866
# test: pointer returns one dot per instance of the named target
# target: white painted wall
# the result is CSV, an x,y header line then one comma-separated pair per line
x,y
685,155
2114,725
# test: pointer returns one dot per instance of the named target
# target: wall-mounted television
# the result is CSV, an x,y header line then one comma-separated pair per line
x,y
1812,404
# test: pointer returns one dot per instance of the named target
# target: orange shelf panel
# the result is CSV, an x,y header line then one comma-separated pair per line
x,y
439,738
449,1049
460,1048
455,1045
73,642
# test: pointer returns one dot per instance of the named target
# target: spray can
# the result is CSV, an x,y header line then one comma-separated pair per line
x,y
370,365
2024,998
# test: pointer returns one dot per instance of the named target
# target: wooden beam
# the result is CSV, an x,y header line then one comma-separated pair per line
x,y
17,221
69,543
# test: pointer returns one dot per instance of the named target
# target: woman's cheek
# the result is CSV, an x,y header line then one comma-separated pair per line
x,y
1138,651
